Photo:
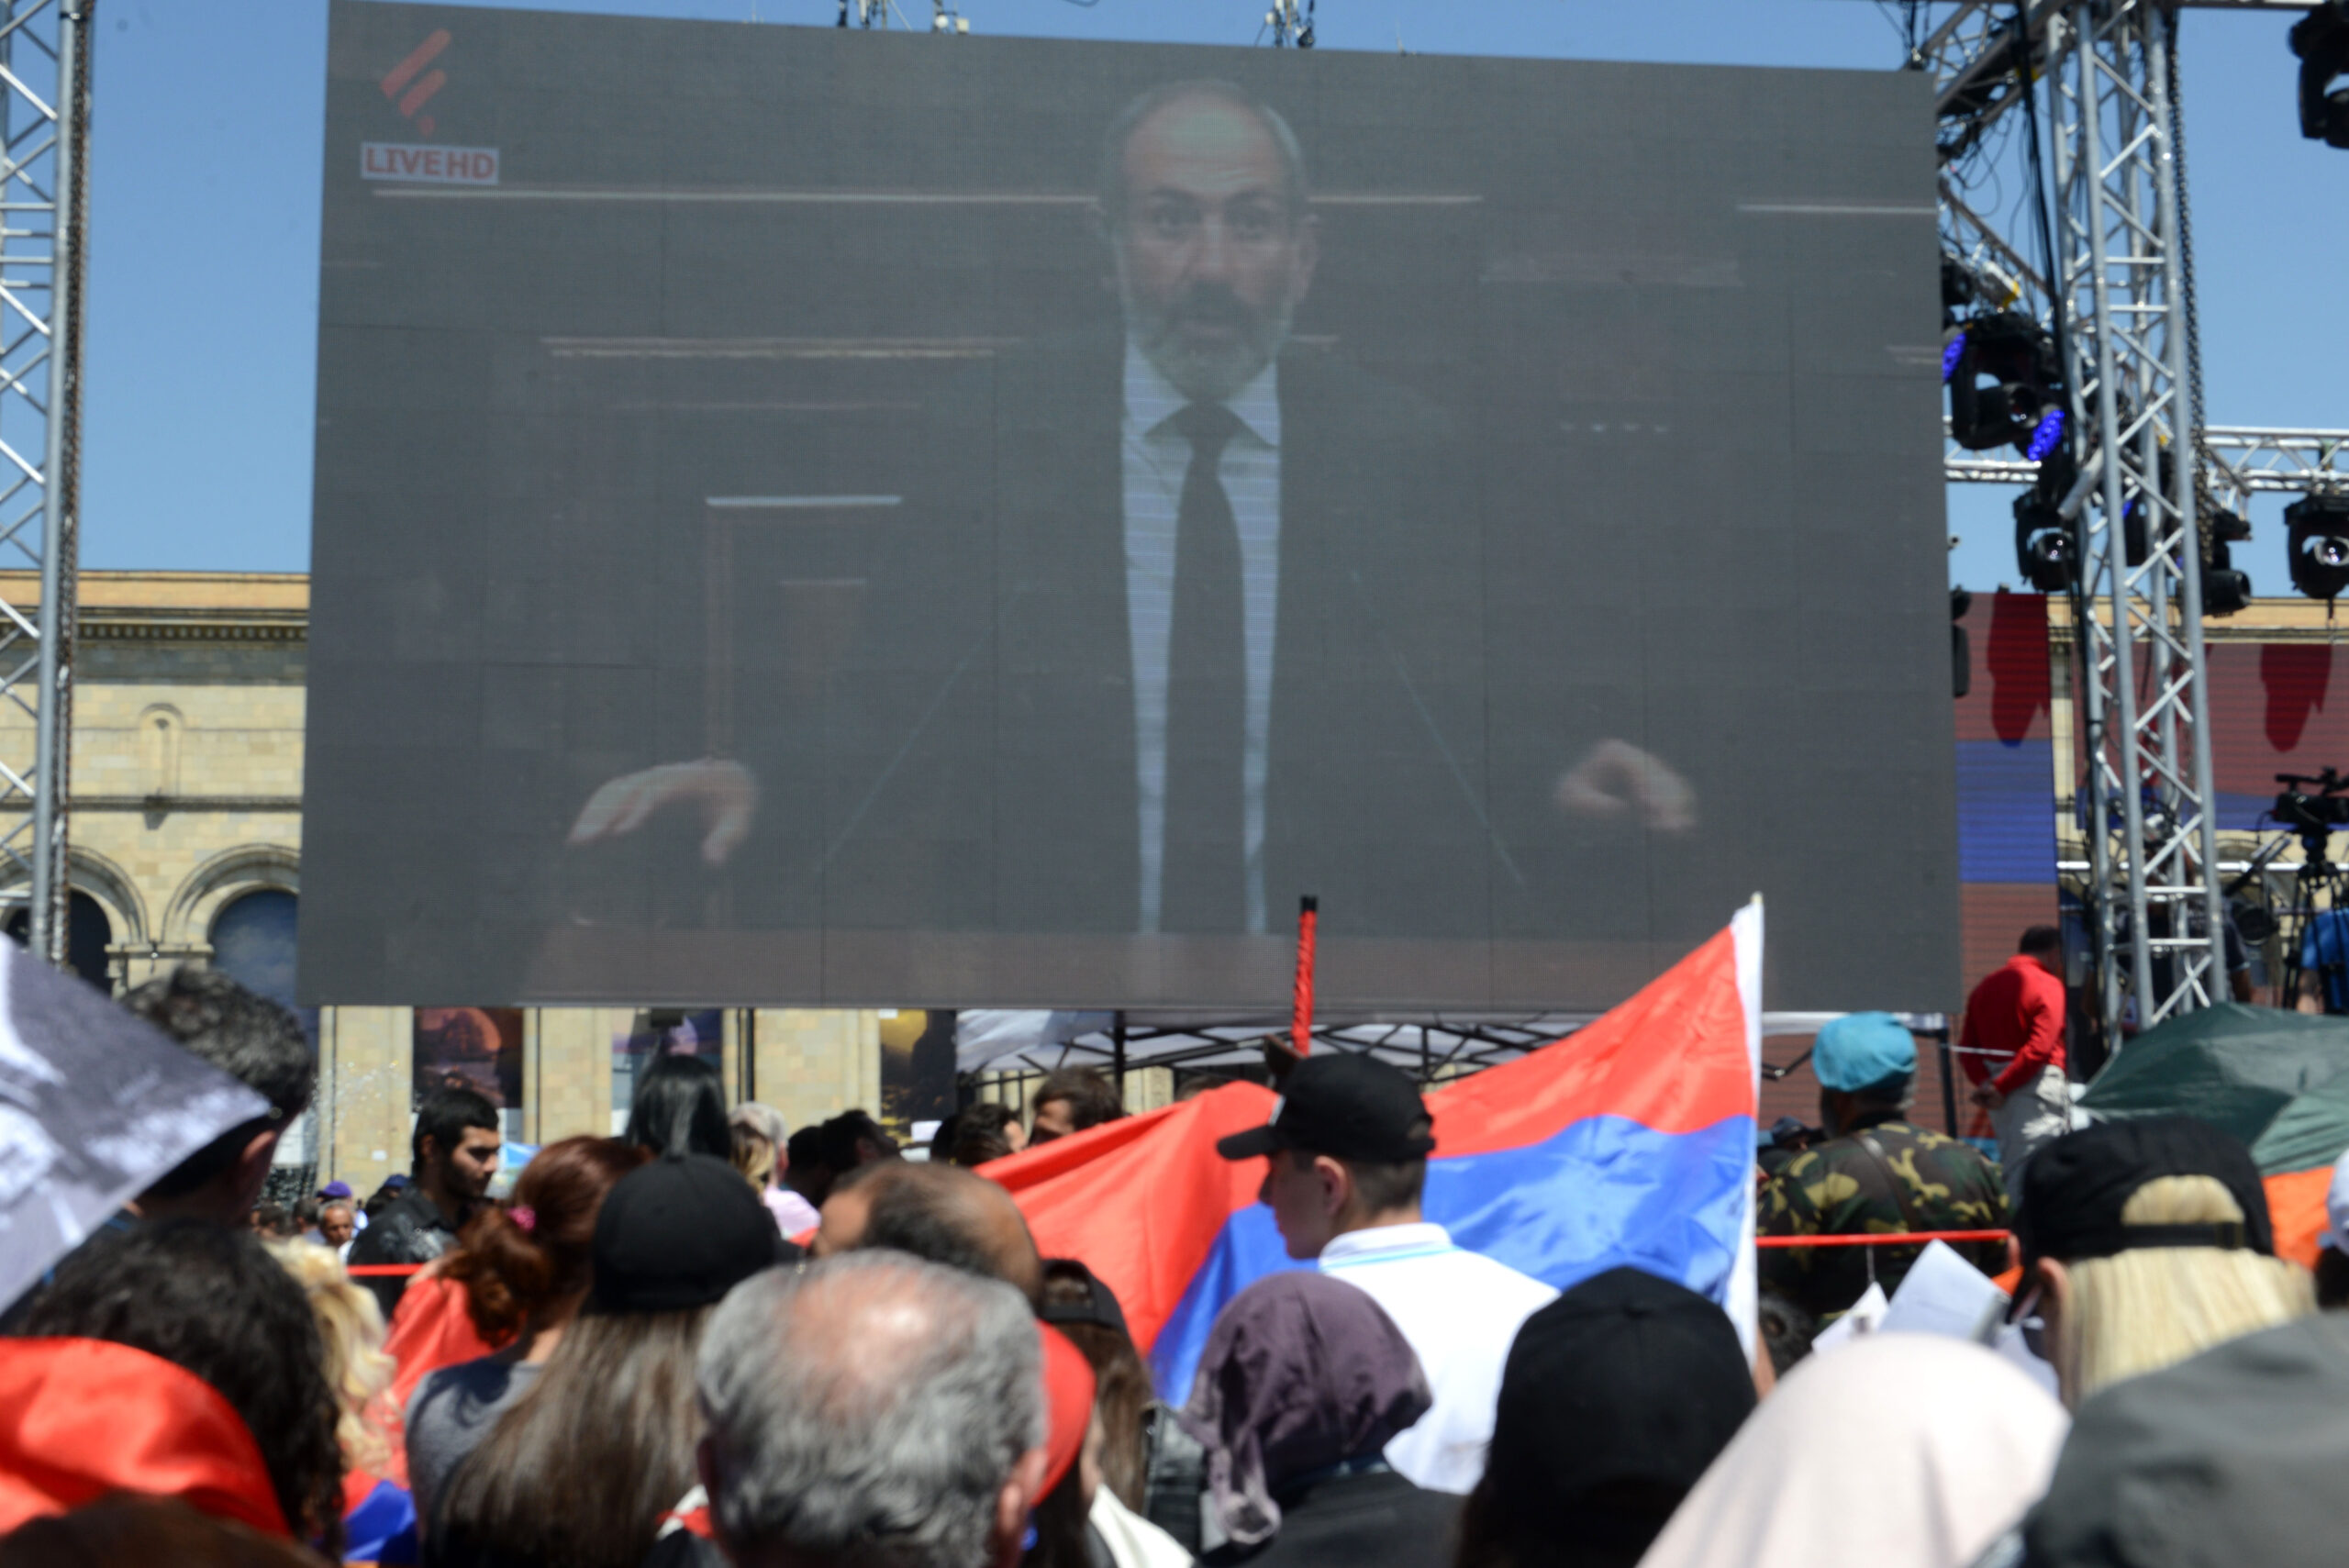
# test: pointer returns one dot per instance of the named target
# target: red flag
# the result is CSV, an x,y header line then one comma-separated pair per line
x,y
1631,1141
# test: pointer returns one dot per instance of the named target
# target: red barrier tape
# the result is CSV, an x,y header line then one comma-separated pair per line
x,y
1894,1239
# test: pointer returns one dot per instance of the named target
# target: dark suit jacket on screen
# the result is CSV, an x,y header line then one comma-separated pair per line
x,y
958,801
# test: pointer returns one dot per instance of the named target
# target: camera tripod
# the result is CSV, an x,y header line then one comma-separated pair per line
x,y
2320,887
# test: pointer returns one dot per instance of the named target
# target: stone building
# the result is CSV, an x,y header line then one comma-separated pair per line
x,y
186,846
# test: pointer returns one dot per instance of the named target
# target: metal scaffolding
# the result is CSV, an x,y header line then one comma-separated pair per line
x,y
44,139
2241,460
2144,693
2109,278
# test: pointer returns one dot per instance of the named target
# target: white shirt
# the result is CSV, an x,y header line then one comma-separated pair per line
x,y
1461,1311
1133,1542
1156,458
793,1214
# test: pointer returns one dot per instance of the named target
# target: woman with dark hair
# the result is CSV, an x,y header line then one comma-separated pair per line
x,y
681,1104
1615,1399
579,1473
1304,1380
1086,1310
524,1271
211,1301
128,1528
1150,1470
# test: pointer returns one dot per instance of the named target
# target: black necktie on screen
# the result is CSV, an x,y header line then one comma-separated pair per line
x,y
1204,862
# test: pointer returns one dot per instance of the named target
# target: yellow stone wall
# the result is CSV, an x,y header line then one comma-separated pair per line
x,y
810,1063
567,1071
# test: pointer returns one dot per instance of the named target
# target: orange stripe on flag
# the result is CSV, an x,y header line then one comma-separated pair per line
x,y
2296,1206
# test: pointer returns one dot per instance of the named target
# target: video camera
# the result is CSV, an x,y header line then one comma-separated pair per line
x,y
2313,816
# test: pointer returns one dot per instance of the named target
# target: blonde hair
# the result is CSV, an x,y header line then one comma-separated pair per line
x,y
754,1155
2152,1306
351,1326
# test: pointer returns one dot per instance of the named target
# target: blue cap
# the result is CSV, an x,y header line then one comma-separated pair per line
x,y
335,1189
1863,1050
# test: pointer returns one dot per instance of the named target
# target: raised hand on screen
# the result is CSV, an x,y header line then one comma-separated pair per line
x,y
725,790
1618,778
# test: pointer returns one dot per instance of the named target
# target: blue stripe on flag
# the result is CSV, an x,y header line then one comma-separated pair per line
x,y
1605,1192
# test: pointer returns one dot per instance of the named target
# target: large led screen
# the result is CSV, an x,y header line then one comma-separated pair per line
x,y
832,517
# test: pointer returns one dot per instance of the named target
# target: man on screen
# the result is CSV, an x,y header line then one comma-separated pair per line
x,y
1186,622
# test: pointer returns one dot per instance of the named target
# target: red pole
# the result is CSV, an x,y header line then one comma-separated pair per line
x,y
1300,1024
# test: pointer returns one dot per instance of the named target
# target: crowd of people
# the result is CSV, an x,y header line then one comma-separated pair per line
x,y
712,1341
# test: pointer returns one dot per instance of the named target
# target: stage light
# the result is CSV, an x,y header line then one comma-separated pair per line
x,y
2004,382
2045,552
2225,590
2046,436
2318,544
2320,39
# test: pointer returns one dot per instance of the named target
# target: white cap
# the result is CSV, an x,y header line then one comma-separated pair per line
x,y
2336,1209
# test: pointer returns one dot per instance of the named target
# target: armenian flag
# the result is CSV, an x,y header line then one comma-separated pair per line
x,y
1631,1141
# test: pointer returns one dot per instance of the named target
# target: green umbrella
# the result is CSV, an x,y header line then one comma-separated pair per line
x,y
2236,1067
2312,1131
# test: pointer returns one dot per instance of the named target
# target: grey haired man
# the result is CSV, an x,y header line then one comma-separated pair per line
x,y
872,1411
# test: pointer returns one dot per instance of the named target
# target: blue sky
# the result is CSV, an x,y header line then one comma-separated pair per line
x,y
205,172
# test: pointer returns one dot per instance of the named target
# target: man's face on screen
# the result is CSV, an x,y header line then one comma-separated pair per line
x,y
1213,253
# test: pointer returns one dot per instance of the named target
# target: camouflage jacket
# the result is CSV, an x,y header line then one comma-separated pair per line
x,y
1840,1189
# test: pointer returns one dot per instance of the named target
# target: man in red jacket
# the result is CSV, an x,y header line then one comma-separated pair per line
x,y
2013,1048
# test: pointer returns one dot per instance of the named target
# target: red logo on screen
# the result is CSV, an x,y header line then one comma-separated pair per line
x,y
411,91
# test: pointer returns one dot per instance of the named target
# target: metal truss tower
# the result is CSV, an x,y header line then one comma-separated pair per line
x,y
44,141
2111,282
2151,829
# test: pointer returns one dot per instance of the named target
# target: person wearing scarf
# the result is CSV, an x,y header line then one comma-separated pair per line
x,y
1303,1381
1895,1451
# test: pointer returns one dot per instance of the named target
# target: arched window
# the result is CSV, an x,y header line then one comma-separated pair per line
x,y
88,932
252,941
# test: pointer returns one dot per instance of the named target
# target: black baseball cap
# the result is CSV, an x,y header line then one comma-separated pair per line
x,y
2074,1189
1100,1306
1342,1103
677,1233
1580,1437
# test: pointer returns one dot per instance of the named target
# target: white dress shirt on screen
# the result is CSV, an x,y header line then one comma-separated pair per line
x,y
1461,1311
1156,458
